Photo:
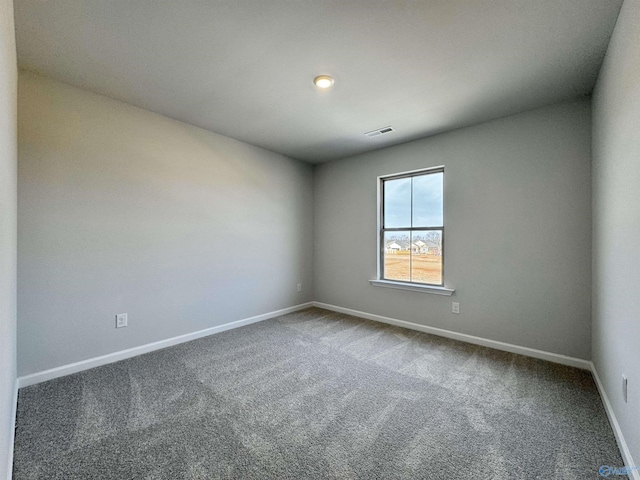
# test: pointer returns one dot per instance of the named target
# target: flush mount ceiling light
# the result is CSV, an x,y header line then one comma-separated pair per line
x,y
323,82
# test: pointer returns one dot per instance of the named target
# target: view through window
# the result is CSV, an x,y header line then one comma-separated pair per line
x,y
412,230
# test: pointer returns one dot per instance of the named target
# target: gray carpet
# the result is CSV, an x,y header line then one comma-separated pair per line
x,y
316,394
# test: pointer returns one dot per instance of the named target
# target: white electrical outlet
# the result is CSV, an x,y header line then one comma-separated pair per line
x,y
455,307
624,387
299,287
121,320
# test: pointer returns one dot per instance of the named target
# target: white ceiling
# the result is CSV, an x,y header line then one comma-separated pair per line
x,y
244,68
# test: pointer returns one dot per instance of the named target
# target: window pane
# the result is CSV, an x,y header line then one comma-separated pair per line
x,y
397,203
427,200
397,256
426,257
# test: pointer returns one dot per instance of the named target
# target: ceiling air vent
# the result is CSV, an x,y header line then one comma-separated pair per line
x,y
379,131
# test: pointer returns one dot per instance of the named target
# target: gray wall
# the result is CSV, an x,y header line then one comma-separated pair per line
x,y
8,206
518,230
124,210
616,222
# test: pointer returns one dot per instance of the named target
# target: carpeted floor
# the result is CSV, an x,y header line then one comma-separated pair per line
x,y
316,394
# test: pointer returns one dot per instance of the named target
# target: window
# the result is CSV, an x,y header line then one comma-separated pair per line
x,y
412,227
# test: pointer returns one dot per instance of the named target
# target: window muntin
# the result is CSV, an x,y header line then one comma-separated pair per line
x,y
412,227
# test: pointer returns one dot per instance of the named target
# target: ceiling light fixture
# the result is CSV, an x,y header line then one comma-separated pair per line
x,y
323,82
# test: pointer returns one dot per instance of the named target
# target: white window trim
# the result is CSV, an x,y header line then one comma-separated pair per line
x,y
413,287
378,281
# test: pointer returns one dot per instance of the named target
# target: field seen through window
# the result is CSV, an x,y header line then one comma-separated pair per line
x,y
408,267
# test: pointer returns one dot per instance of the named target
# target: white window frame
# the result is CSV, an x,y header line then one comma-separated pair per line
x,y
379,281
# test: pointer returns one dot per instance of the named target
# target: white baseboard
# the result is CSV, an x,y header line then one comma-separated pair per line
x,y
485,342
64,370
12,433
617,431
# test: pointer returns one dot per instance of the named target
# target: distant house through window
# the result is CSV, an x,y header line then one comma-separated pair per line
x,y
412,227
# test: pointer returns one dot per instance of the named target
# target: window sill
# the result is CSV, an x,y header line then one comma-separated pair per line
x,y
413,287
